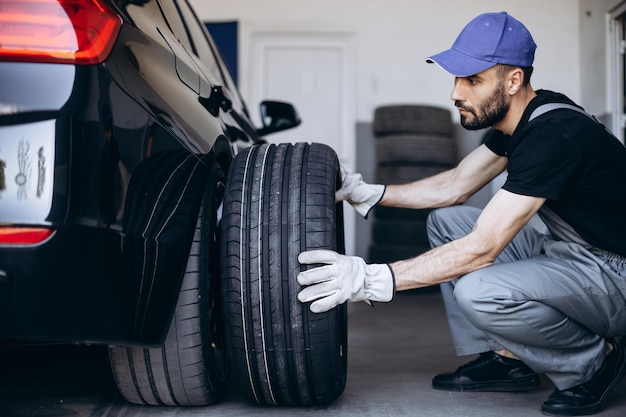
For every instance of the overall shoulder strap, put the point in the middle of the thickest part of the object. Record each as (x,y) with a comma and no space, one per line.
(545,108)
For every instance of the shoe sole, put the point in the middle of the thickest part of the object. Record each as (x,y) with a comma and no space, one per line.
(578,411)
(522,384)
(592,408)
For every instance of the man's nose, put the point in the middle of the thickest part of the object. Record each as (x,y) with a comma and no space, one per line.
(455,94)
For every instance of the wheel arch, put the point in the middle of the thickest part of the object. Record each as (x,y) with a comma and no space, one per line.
(164,199)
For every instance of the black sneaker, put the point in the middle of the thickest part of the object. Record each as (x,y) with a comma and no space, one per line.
(592,396)
(490,372)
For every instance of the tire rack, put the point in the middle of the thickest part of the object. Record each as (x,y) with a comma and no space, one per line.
(412,142)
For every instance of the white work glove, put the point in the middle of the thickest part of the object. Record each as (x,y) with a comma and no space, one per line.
(342,278)
(361,195)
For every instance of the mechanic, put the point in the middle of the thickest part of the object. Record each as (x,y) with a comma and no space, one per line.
(528,302)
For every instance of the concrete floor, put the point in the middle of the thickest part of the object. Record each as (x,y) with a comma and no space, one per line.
(394,351)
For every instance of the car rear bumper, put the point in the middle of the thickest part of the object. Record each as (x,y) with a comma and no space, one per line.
(68,289)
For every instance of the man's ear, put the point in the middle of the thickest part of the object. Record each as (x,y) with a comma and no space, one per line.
(515,81)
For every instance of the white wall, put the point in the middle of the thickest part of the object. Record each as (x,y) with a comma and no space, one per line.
(594,33)
(394,36)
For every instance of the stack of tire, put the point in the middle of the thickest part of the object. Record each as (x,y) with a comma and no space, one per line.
(412,142)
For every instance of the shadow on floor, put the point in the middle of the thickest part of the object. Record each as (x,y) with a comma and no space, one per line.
(394,351)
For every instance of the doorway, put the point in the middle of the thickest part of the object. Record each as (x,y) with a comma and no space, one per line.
(617,61)
(316,73)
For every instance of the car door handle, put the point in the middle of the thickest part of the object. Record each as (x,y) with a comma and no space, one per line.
(217,100)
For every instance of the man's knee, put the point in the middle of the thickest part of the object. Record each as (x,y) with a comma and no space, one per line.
(465,292)
(479,299)
(449,223)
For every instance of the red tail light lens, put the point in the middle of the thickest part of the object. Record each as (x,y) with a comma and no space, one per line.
(24,235)
(57,31)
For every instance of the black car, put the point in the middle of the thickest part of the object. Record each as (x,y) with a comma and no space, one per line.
(119,124)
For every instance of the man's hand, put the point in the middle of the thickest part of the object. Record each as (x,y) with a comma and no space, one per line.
(342,278)
(361,195)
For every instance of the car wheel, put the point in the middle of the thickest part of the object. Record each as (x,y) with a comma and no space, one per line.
(280,201)
(400,232)
(392,253)
(403,174)
(397,213)
(416,148)
(398,119)
(191,368)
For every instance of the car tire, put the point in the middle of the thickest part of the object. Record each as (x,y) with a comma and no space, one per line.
(403,174)
(392,253)
(398,119)
(397,213)
(400,232)
(416,149)
(279,202)
(191,368)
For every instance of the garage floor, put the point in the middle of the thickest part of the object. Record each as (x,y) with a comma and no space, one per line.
(394,351)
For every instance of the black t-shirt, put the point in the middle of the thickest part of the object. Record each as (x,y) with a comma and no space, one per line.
(573,162)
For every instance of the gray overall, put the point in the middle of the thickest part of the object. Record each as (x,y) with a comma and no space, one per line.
(550,298)
(549,301)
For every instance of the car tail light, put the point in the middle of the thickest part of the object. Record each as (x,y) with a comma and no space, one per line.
(24,235)
(57,31)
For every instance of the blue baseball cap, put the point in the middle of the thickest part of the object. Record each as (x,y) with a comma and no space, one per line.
(489,39)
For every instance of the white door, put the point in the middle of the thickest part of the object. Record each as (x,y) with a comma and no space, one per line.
(316,74)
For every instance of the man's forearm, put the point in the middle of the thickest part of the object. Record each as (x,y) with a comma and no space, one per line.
(432,192)
(442,264)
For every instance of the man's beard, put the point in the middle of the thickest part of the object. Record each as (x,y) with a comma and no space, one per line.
(491,111)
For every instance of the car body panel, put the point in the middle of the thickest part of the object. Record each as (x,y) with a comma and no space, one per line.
(114,158)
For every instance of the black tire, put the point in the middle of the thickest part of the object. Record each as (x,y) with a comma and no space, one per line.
(191,368)
(280,201)
(416,148)
(400,232)
(402,174)
(392,253)
(397,213)
(398,119)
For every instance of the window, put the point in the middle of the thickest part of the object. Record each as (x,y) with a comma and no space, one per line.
(201,47)
(175,23)
(618,74)
(209,56)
